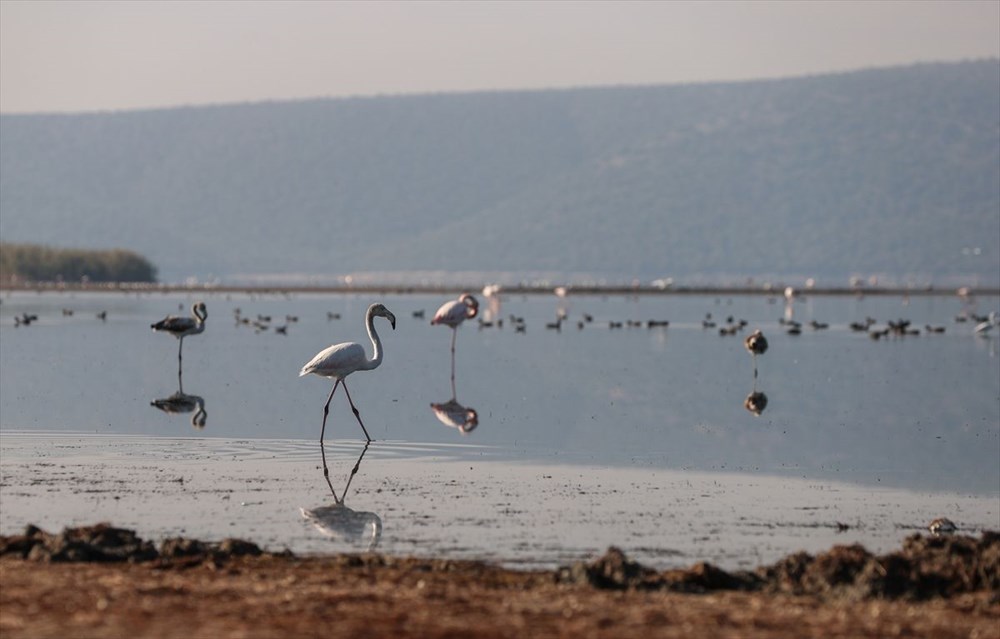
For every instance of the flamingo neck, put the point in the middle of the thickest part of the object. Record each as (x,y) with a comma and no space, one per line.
(376,343)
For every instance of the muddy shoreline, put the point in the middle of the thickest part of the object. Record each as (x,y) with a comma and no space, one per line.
(102,581)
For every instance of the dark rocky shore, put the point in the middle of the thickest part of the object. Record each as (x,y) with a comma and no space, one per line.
(925,567)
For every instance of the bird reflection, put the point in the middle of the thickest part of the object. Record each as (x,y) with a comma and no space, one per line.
(181,402)
(338,521)
(455,415)
(755,402)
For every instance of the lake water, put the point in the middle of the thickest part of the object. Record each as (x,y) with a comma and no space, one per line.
(585,437)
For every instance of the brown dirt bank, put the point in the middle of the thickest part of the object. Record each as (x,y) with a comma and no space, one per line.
(102,581)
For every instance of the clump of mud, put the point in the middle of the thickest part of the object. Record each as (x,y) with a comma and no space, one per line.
(105,543)
(926,567)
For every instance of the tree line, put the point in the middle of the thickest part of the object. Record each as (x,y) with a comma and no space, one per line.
(37,263)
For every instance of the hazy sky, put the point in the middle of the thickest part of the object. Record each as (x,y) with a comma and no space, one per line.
(84,56)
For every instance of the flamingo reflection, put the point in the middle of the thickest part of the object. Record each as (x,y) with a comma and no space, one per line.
(455,415)
(181,402)
(755,402)
(338,521)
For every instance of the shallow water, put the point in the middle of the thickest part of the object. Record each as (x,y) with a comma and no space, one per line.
(643,431)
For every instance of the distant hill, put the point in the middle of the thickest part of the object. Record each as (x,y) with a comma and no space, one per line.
(888,171)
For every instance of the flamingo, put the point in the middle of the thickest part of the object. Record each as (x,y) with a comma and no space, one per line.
(756,344)
(984,327)
(452,314)
(181,327)
(339,361)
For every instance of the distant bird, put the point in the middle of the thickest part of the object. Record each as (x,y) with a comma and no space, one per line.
(455,312)
(103,316)
(339,361)
(181,327)
(452,314)
(984,327)
(942,526)
(756,344)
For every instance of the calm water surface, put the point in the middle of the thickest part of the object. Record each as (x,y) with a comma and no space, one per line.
(917,413)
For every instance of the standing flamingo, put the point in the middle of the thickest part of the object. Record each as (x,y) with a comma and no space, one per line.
(181,327)
(452,314)
(339,361)
(756,343)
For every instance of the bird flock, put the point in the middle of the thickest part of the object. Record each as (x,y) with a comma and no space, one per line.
(340,360)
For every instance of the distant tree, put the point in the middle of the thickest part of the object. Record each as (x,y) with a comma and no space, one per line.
(38,263)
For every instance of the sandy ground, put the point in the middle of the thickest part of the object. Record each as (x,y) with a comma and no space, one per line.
(66,587)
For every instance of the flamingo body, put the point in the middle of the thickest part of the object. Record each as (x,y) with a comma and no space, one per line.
(181,327)
(338,361)
(457,311)
(756,343)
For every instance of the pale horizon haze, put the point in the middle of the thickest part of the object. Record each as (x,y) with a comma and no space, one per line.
(82,56)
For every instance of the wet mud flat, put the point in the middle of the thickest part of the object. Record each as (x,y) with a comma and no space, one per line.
(451,502)
(103,581)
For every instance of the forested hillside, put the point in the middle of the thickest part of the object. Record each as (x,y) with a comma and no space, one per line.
(890,171)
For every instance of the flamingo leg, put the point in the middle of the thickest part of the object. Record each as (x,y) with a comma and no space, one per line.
(357,414)
(180,368)
(322,431)
(454,334)
(354,471)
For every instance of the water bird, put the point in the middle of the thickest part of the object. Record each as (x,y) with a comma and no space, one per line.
(756,344)
(934,329)
(67,312)
(339,361)
(984,327)
(418,314)
(942,526)
(452,314)
(181,327)
(330,315)
(103,316)
(25,319)
(556,325)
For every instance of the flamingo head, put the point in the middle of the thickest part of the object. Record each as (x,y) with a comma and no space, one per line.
(379,310)
(199,310)
(471,304)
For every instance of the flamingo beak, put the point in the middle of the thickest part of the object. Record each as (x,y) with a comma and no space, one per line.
(392,320)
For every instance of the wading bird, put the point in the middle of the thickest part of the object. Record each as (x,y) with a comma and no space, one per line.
(984,327)
(452,314)
(756,343)
(340,360)
(181,327)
